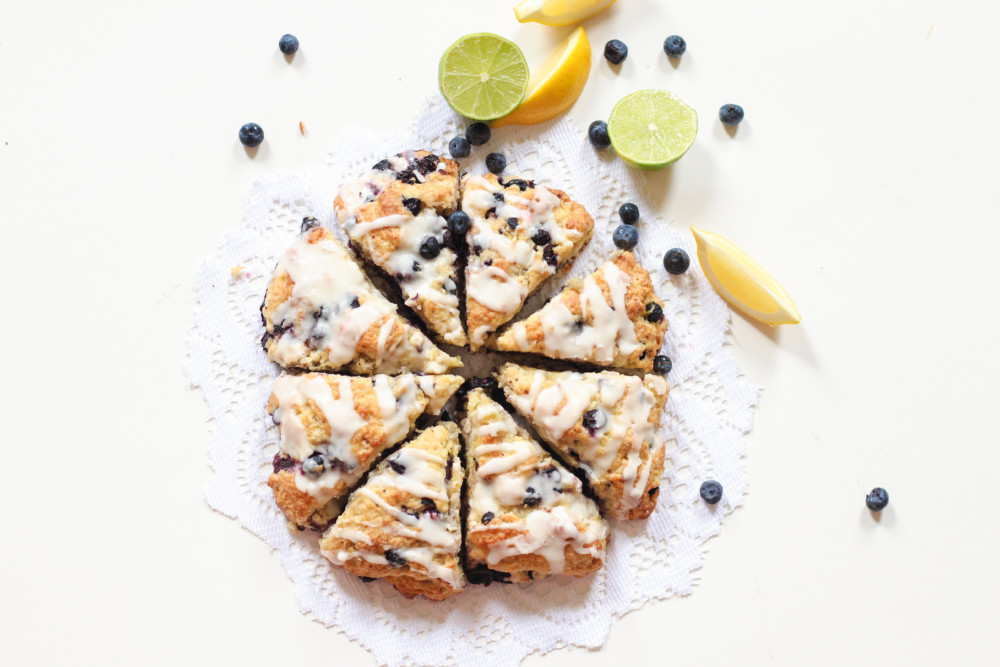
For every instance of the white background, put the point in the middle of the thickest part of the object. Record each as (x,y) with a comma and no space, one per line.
(864,178)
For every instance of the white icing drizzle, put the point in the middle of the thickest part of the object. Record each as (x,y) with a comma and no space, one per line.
(561,405)
(495,289)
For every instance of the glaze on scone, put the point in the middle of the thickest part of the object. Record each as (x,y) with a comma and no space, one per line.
(605,422)
(521,232)
(332,429)
(610,318)
(404,524)
(528,517)
(322,313)
(395,210)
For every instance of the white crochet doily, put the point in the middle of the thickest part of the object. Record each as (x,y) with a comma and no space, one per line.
(709,411)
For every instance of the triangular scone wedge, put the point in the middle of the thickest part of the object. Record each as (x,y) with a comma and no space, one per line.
(321,313)
(528,517)
(396,215)
(334,427)
(521,233)
(610,318)
(605,422)
(404,524)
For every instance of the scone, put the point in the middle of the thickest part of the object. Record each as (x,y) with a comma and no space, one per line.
(321,313)
(396,215)
(528,517)
(610,318)
(605,422)
(520,233)
(404,524)
(333,428)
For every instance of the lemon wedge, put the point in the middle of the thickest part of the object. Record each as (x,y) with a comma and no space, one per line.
(555,84)
(743,282)
(559,12)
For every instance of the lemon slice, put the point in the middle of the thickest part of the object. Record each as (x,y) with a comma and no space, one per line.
(556,83)
(559,12)
(651,129)
(743,282)
(483,76)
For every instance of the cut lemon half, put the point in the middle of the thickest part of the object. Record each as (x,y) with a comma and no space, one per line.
(651,129)
(559,12)
(483,76)
(556,83)
(743,282)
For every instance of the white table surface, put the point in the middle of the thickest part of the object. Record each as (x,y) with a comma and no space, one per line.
(864,178)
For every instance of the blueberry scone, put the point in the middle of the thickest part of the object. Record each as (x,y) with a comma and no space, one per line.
(321,313)
(396,215)
(404,524)
(520,233)
(605,422)
(610,318)
(528,517)
(332,429)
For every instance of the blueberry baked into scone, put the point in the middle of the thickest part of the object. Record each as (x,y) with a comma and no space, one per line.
(396,216)
(610,318)
(332,428)
(321,313)
(604,422)
(527,515)
(404,524)
(521,232)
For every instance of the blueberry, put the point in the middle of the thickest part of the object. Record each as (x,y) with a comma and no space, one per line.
(413,205)
(314,465)
(615,52)
(629,213)
(487,518)
(549,255)
(394,558)
(654,312)
(593,420)
(430,248)
(676,261)
(288,44)
(532,498)
(598,134)
(731,114)
(662,364)
(459,147)
(496,163)
(625,237)
(711,492)
(459,223)
(397,466)
(382,165)
(282,462)
(541,237)
(498,196)
(674,46)
(251,135)
(355,303)
(512,223)
(521,184)
(308,223)
(478,134)
(877,499)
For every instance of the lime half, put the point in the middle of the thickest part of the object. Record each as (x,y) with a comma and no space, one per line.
(651,129)
(483,76)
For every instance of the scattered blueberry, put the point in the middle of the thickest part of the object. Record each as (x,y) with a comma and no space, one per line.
(674,46)
(541,237)
(459,147)
(615,52)
(711,492)
(308,223)
(478,133)
(676,261)
(625,237)
(314,465)
(382,165)
(413,205)
(251,135)
(877,499)
(487,518)
(430,248)
(532,498)
(394,558)
(459,223)
(654,312)
(731,114)
(598,134)
(549,255)
(593,420)
(512,223)
(521,184)
(397,466)
(288,44)
(629,213)
(662,364)
(496,163)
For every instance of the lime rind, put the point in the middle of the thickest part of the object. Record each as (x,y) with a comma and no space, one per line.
(652,129)
(483,76)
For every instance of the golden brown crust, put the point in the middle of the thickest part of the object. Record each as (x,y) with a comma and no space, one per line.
(297,505)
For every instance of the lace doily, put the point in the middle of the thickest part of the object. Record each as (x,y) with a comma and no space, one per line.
(709,411)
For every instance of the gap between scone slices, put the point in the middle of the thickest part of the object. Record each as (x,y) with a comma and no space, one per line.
(610,318)
(604,422)
(321,313)
(521,232)
(396,216)
(332,429)
(404,524)
(528,517)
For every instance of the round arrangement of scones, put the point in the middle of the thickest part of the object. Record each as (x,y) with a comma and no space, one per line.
(415,475)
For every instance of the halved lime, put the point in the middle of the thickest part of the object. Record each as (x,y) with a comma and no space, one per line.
(483,76)
(651,129)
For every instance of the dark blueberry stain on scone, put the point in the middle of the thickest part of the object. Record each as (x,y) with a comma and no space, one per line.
(541,237)
(397,466)
(491,213)
(549,255)
(355,303)
(487,518)
(532,497)
(282,462)
(653,491)
(521,184)
(593,420)
(447,468)
(498,196)
(413,205)
(394,558)
(382,165)
(512,223)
